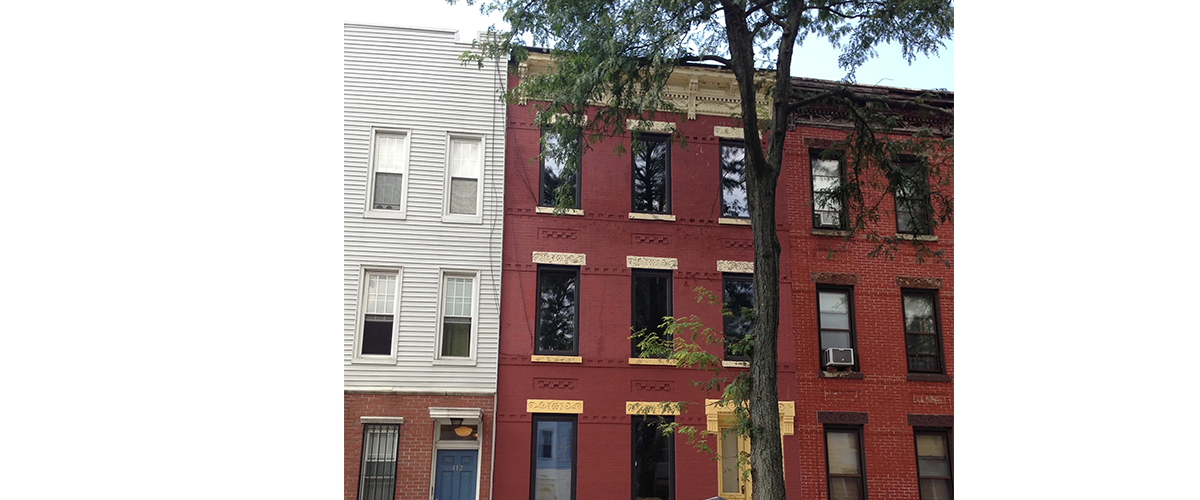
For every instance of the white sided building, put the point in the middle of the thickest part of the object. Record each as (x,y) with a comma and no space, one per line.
(424,182)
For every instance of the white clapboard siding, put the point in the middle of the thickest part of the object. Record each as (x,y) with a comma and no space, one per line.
(411,79)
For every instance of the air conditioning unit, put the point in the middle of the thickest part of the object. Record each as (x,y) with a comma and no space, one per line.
(838,356)
(827,219)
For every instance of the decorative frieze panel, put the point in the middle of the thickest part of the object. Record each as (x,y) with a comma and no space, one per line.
(636,262)
(650,126)
(842,417)
(652,385)
(918,282)
(554,383)
(560,258)
(553,406)
(834,278)
(931,420)
(735,266)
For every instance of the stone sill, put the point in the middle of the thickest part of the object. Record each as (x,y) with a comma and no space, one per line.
(928,377)
(735,364)
(733,221)
(841,233)
(641,216)
(849,375)
(566,211)
(537,358)
(918,237)
(653,361)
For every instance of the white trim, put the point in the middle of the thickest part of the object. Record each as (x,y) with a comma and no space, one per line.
(438,445)
(477,217)
(368,199)
(636,262)
(436,412)
(416,390)
(650,126)
(560,258)
(380,420)
(470,360)
(360,315)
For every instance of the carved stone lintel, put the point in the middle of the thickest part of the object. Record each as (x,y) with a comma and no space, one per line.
(918,282)
(634,261)
(735,266)
(651,408)
(931,420)
(650,126)
(560,258)
(834,278)
(842,417)
(553,406)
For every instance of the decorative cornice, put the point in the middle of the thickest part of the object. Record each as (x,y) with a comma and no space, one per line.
(834,278)
(636,262)
(381,420)
(842,417)
(553,406)
(735,266)
(918,282)
(931,420)
(560,258)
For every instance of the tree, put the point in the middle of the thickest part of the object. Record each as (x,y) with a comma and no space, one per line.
(618,54)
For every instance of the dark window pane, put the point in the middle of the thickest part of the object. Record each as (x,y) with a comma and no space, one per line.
(935,489)
(463,195)
(377,335)
(733,181)
(842,452)
(652,468)
(827,200)
(554,174)
(835,339)
(921,344)
(377,476)
(912,199)
(456,337)
(387,191)
(844,488)
(554,462)
(651,184)
(739,299)
(921,327)
(651,302)
(557,296)
(918,363)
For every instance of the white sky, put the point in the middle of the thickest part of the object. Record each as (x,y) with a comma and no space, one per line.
(816,59)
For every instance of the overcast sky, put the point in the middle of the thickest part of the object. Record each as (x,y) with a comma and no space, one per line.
(817,59)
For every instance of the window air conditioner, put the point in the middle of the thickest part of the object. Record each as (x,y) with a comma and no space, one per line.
(838,356)
(827,219)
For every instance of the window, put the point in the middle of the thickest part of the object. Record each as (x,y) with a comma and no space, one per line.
(378,321)
(652,174)
(653,459)
(733,180)
(933,464)
(651,302)
(558,311)
(835,319)
(827,201)
(739,300)
(388,179)
(921,338)
(377,476)
(458,315)
(734,484)
(912,197)
(553,468)
(465,166)
(554,175)
(844,463)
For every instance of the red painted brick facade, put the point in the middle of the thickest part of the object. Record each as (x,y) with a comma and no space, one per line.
(605,380)
(884,392)
(415,463)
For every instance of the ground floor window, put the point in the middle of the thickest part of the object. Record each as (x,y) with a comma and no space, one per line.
(653,459)
(552,463)
(933,464)
(377,476)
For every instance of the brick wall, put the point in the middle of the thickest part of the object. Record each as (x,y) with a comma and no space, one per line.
(415,464)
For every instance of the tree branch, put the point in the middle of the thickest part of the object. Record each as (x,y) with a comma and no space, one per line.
(686,59)
(858,98)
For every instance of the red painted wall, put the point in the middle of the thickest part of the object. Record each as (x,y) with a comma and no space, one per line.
(605,380)
(884,393)
(415,463)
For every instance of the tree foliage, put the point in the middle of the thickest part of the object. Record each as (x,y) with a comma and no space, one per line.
(610,63)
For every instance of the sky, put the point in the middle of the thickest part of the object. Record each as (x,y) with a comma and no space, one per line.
(816,59)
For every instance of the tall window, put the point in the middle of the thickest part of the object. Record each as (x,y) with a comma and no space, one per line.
(458,315)
(389,167)
(377,476)
(933,465)
(553,463)
(921,338)
(844,463)
(465,168)
(653,459)
(836,320)
(739,300)
(553,171)
(734,484)
(652,174)
(651,302)
(558,310)
(733,180)
(912,198)
(827,201)
(379,314)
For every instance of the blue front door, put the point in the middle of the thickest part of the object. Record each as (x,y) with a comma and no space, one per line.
(455,475)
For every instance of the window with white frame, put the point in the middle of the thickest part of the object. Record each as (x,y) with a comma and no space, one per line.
(378,322)
(465,169)
(458,315)
(389,171)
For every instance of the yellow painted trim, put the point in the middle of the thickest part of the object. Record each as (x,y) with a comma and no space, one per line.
(651,408)
(556,359)
(553,406)
(653,361)
(733,221)
(550,210)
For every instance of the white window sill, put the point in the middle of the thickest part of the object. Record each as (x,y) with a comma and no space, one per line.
(733,221)
(918,237)
(373,361)
(462,219)
(454,361)
(384,214)
(566,211)
(642,216)
(538,358)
